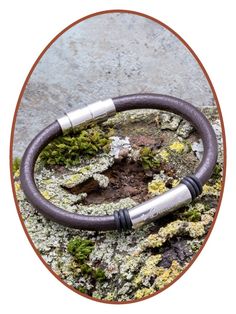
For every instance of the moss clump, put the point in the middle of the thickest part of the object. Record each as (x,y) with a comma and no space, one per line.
(217,171)
(192,215)
(86,269)
(99,274)
(81,289)
(16,165)
(80,248)
(149,158)
(67,150)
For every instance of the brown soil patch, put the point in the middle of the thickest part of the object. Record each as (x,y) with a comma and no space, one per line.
(126,179)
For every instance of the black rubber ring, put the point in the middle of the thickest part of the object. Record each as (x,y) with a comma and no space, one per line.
(190,187)
(196,180)
(127,218)
(122,219)
(194,184)
(117,220)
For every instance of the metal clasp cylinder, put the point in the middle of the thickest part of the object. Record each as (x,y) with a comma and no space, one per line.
(98,111)
(160,206)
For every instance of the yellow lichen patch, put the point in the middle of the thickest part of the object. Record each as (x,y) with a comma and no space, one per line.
(165,233)
(206,219)
(17,173)
(175,228)
(175,182)
(199,207)
(84,169)
(48,181)
(166,276)
(163,276)
(148,269)
(195,229)
(46,195)
(141,293)
(73,179)
(178,147)
(17,186)
(157,187)
(164,155)
(212,189)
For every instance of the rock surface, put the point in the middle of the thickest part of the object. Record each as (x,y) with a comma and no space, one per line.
(134,264)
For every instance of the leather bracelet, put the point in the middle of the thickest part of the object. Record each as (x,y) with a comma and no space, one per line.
(186,191)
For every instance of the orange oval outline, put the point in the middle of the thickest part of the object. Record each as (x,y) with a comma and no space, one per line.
(224,148)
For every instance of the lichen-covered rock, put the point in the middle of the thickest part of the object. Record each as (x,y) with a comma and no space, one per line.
(168,121)
(156,150)
(158,185)
(198,149)
(184,129)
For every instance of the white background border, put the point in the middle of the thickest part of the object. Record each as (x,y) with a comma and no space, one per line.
(26,28)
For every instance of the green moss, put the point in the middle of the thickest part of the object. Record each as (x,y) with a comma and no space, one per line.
(80,248)
(95,273)
(99,274)
(109,296)
(217,171)
(97,295)
(149,158)
(16,165)
(192,215)
(86,269)
(81,289)
(67,150)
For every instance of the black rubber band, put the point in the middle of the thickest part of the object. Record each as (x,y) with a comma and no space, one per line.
(117,221)
(123,220)
(193,185)
(127,218)
(190,187)
(198,183)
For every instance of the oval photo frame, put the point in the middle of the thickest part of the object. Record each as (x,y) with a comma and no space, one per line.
(93,272)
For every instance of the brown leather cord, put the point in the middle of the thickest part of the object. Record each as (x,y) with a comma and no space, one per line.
(110,222)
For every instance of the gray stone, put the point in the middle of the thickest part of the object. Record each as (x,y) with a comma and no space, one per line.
(169,121)
(198,148)
(106,56)
(184,129)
